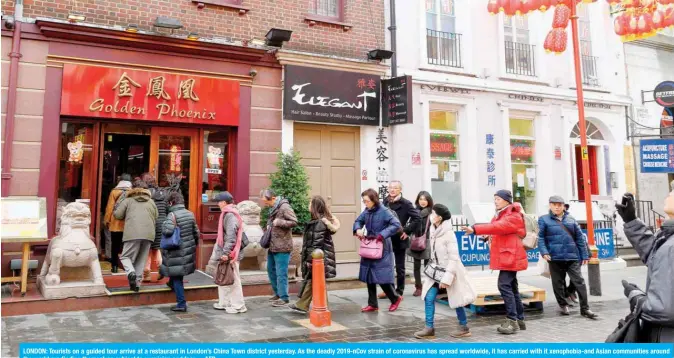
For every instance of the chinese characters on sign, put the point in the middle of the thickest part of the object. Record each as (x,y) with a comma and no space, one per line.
(176,159)
(382,174)
(397,99)
(491,164)
(91,91)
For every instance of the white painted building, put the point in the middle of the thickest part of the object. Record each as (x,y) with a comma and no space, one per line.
(648,63)
(479,77)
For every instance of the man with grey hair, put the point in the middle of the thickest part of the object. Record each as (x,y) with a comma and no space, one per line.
(410,219)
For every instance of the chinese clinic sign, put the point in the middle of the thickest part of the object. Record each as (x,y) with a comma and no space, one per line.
(122,93)
(657,155)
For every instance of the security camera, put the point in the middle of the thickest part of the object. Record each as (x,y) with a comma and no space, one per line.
(252,72)
(9,23)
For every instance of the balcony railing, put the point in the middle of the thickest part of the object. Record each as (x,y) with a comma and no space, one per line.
(590,75)
(520,59)
(443,48)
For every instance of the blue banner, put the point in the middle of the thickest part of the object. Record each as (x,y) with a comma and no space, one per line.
(657,155)
(475,252)
(365,350)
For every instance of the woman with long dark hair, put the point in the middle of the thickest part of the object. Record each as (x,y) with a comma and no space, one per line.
(317,235)
(379,223)
(424,204)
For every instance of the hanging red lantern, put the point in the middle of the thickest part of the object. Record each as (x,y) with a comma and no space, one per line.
(561,17)
(515,7)
(504,6)
(613,2)
(668,18)
(633,25)
(492,7)
(556,41)
(621,25)
(568,3)
(545,5)
(645,24)
(658,20)
(530,5)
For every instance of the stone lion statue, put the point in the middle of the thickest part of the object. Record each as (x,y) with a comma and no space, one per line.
(73,247)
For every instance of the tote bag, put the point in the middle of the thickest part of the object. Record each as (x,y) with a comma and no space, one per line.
(371,248)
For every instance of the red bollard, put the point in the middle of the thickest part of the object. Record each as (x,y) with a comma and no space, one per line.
(319,316)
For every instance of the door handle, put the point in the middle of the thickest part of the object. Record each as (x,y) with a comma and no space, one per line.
(329,198)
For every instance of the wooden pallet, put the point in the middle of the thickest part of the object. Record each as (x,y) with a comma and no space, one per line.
(489,295)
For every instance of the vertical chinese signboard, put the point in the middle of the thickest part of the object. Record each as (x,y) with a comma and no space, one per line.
(491,165)
(397,100)
(123,93)
(382,159)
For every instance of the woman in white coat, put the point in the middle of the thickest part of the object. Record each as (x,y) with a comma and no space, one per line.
(445,272)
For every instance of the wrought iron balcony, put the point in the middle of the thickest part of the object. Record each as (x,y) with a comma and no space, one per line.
(520,59)
(443,48)
(590,73)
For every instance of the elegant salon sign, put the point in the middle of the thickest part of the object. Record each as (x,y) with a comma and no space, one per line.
(122,93)
(320,95)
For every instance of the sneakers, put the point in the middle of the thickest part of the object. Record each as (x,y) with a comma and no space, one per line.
(395,306)
(462,332)
(274,298)
(522,325)
(219,307)
(178,309)
(294,308)
(132,282)
(426,333)
(564,311)
(232,310)
(369,309)
(280,303)
(589,314)
(508,327)
(147,276)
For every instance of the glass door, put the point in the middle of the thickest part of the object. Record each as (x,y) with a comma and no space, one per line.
(172,162)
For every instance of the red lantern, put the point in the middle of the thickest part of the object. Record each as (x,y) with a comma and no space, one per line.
(530,5)
(668,18)
(568,3)
(492,7)
(658,20)
(545,5)
(515,7)
(613,2)
(504,6)
(621,25)
(645,24)
(633,25)
(561,17)
(556,41)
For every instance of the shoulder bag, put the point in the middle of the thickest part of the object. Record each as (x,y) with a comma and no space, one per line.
(371,248)
(121,198)
(435,272)
(419,241)
(171,242)
(225,272)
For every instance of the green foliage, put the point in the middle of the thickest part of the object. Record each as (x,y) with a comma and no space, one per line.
(291,181)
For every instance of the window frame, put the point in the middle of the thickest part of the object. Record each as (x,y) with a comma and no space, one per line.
(513,163)
(339,18)
(456,133)
(437,16)
(509,22)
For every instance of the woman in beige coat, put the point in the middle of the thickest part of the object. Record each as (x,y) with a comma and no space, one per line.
(445,272)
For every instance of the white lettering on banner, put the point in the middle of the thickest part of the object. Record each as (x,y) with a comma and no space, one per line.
(655,164)
(473,243)
(655,148)
(603,238)
(327,102)
(655,156)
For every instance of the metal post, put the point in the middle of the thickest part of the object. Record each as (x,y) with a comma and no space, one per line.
(392,28)
(593,267)
(320,315)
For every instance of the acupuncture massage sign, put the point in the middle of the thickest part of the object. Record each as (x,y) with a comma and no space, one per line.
(657,155)
(124,93)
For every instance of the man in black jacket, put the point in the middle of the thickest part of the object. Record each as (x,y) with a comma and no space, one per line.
(410,219)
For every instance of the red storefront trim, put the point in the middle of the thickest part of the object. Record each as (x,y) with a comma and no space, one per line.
(11,108)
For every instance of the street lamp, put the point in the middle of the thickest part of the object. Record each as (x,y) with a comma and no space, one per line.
(593,268)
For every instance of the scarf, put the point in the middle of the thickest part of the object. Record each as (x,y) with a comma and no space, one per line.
(123,184)
(231,208)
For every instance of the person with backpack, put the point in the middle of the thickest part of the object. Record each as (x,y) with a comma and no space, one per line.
(116,226)
(317,235)
(507,255)
(230,231)
(562,244)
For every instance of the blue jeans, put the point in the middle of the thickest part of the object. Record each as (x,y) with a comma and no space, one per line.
(430,309)
(509,289)
(277,269)
(179,289)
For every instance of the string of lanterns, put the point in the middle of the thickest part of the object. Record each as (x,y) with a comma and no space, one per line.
(638,19)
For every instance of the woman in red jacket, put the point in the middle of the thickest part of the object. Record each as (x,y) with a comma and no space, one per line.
(507,255)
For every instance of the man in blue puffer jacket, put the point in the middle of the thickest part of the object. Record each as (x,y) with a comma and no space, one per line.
(561,243)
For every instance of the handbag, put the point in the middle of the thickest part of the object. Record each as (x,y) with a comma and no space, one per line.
(225,272)
(628,329)
(265,240)
(432,270)
(419,242)
(543,267)
(371,248)
(171,242)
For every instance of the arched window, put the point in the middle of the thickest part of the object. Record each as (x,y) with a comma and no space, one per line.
(593,132)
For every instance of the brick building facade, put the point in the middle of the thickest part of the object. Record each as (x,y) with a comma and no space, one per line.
(47,105)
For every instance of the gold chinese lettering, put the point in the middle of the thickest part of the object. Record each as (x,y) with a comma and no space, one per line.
(124,84)
(156,88)
(186,90)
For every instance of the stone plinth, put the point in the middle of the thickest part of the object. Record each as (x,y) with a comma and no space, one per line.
(70,289)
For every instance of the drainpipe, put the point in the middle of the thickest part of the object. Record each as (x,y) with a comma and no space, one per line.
(14,57)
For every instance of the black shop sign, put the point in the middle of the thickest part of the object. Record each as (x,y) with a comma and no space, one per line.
(664,94)
(328,96)
(397,100)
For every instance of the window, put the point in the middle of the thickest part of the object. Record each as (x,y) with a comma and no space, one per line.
(76,163)
(445,164)
(519,54)
(216,149)
(588,62)
(522,146)
(443,43)
(592,132)
(328,9)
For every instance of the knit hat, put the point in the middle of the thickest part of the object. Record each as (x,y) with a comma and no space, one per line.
(505,195)
(442,211)
(224,196)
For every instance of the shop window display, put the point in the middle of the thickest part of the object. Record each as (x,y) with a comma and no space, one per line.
(445,162)
(215,179)
(522,155)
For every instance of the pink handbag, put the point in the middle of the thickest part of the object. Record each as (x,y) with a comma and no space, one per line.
(371,248)
(419,242)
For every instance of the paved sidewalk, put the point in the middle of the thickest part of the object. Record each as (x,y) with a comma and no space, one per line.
(264,323)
